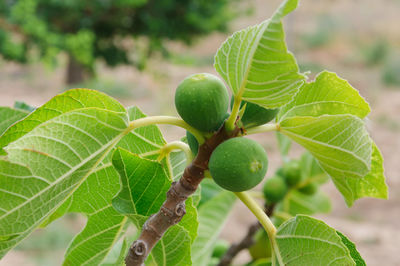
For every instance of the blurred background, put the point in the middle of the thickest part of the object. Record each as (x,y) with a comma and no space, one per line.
(139,50)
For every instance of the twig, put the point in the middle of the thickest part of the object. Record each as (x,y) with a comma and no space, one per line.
(246,242)
(173,209)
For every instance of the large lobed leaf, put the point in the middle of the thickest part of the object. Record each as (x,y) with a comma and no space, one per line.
(72,129)
(325,118)
(46,165)
(304,240)
(256,65)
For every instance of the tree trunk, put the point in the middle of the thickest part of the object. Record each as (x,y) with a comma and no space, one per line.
(76,72)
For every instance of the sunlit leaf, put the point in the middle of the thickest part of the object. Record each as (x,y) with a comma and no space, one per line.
(371,185)
(303,240)
(256,65)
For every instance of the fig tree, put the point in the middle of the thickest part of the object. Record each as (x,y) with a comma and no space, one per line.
(255,115)
(275,189)
(202,101)
(238,164)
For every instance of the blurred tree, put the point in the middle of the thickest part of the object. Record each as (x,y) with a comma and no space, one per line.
(102,29)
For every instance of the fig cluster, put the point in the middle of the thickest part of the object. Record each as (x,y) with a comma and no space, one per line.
(289,176)
(237,164)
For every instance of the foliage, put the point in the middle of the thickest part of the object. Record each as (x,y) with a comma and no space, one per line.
(84,152)
(88,30)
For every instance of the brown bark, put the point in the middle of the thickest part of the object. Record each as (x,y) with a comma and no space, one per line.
(173,209)
(76,72)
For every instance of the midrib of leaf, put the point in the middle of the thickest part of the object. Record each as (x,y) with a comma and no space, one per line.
(251,58)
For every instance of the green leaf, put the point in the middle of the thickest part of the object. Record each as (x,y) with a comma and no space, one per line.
(212,217)
(9,116)
(62,103)
(145,177)
(94,196)
(371,185)
(144,186)
(340,143)
(256,65)
(325,118)
(353,251)
(55,165)
(303,240)
(298,203)
(327,95)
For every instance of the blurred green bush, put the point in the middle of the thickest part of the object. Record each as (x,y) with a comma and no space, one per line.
(103,29)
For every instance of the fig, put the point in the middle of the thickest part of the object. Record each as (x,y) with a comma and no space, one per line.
(238,164)
(292,173)
(202,101)
(275,189)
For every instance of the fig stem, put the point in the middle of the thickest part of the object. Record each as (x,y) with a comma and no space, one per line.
(264,221)
(230,122)
(169,120)
(177,145)
(262,129)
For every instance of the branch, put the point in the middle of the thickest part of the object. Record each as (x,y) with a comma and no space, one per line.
(246,242)
(173,209)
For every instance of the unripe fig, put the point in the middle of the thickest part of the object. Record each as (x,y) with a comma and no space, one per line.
(220,248)
(238,164)
(192,141)
(309,189)
(202,101)
(292,173)
(275,189)
(255,115)
(262,247)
